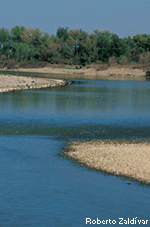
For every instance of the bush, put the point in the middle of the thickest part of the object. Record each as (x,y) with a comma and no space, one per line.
(144,58)
(12,64)
(33,65)
(3,57)
(69,62)
(112,61)
(123,60)
(58,61)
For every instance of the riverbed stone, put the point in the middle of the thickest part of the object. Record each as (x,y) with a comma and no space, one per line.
(12,83)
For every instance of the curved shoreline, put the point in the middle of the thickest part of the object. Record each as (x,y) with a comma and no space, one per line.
(120,158)
(131,160)
(12,83)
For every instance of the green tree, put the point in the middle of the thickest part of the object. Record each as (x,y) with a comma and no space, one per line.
(129,45)
(74,34)
(4,35)
(135,53)
(91,48)
(15,33)
(20,51)
(103,44)
(142,41)
(26,35)
(63,33)
(36,37)
(117,47)
(5,42)
(80,49)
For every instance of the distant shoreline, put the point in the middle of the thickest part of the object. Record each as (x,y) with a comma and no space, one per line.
(111,73)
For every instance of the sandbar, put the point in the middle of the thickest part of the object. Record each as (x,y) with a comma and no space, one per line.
(127,159)
(12,83)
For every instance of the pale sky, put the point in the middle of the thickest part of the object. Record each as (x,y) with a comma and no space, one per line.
(123,17)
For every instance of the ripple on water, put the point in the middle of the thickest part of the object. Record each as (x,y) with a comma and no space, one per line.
(38,188)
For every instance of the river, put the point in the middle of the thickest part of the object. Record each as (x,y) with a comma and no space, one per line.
(39,188)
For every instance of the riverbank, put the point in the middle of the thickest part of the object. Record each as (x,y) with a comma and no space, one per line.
(131,160)
(110,73)
(13,83)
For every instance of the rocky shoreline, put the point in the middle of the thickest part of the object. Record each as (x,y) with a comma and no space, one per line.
(12,83)
(120,158)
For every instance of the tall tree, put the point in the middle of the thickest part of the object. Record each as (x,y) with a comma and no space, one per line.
(117,47)
(103,44)
(20,51)
(15,33)
(4,35)
(63,33)
(36,37)
(26,35)
(5,43)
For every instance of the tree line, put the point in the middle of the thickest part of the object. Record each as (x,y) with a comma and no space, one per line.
(72,46)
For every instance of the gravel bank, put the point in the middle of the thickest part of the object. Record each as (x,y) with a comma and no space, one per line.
(12,83)
(131,160)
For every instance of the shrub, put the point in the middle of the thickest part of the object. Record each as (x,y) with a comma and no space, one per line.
(33,65)
(144,58)
(112,61)
(123,60)
(3,57)
(12,64)
(58,61)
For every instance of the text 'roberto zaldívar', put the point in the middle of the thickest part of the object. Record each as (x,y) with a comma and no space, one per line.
(120,221)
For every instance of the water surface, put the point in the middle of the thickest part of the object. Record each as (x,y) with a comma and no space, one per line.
(39,188)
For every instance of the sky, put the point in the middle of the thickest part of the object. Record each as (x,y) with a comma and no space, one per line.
(122,17)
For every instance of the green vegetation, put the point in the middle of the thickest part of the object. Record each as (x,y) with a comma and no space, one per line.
(72,46)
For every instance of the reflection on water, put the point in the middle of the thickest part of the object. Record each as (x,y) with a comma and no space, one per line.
(38,188)
(96,102)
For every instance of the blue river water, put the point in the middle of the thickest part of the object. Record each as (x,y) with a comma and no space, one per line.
(40,188)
